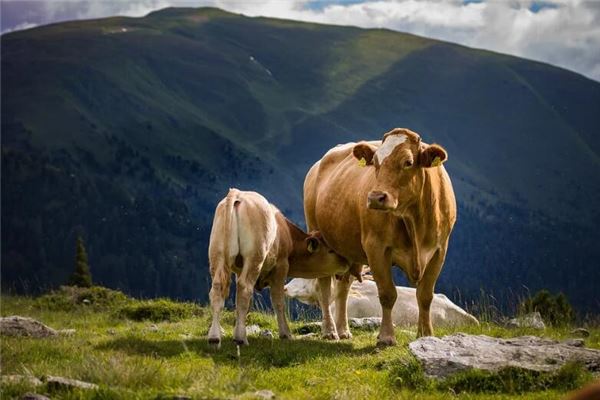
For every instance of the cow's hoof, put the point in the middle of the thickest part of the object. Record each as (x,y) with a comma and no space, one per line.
(241,342)
(331,336)
(345,335)
(214,343)
(285,336)
(386,341)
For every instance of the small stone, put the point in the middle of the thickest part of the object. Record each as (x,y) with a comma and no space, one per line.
(86,301)
(308,335)
(580,332)
(370,323)
(67,332)
(60,383)
(253,330)
(22,326)
(34,396)
(21,379)
(532,320)
(266,333)
(153,328)
(185,335)
(311,327)
(264,394)
(575,342)
(111,331)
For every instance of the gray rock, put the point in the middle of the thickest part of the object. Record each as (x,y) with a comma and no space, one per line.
(60,383)
(34,396)
(21,379)
(459,352)
(264,394)
(22,326)
(253,330)
(532,320)
(266,333)
(580,332)
(575,342)
(153,328)
(371,323)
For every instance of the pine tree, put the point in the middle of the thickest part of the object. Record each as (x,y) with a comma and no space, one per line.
(81,276)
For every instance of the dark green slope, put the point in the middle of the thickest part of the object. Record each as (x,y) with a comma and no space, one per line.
(129,131)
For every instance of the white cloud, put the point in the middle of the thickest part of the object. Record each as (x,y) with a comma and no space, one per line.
(564,33)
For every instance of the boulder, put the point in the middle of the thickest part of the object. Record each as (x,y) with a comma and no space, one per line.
(532,320)
(459,352)
(22,326)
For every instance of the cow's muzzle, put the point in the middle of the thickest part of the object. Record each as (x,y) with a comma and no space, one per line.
(378,200)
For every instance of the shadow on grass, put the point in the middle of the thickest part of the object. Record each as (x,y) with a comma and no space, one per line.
(262,352)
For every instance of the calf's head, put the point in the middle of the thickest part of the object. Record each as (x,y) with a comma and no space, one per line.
(316,255)
(397,162)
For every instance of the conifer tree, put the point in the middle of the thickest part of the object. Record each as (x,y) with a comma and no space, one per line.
(81,276)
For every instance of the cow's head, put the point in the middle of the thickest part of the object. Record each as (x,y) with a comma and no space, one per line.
(397,162)
(319,253)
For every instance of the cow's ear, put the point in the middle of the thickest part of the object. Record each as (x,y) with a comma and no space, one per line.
(432,156)
(312,244)
(364,153)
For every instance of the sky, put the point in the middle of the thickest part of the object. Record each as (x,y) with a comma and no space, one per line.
(565,33)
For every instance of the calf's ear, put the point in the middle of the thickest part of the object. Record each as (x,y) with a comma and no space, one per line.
(432,156)
(364,153)
(312,244)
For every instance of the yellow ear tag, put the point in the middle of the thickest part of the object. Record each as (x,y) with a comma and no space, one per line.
(362,162)
(436,162)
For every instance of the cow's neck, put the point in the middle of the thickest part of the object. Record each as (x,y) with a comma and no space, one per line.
(419,217)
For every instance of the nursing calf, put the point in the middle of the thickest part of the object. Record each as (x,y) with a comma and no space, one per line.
(363,301)
(253,239)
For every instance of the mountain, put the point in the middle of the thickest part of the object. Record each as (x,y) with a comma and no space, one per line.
(128,131)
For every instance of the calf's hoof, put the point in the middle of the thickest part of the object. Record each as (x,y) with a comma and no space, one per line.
(214,342)
(330,336)
(386,341)
(285,336)
(241,342)
(345,335)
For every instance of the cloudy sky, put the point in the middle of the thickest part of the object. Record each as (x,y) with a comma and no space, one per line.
(561,32)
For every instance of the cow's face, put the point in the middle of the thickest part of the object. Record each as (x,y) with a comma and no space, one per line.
(397,161)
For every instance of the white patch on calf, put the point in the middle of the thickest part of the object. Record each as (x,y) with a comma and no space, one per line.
(388,146)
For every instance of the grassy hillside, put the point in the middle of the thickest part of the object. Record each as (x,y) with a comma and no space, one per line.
(142,359)
(129,130)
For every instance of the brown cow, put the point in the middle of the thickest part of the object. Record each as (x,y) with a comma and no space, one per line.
(253,239)
(383,203)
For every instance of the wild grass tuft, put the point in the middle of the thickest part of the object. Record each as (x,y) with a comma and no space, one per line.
(158,310)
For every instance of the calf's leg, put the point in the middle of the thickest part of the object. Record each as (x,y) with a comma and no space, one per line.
(278,299)
(218,293)
(244,289)
(328,330)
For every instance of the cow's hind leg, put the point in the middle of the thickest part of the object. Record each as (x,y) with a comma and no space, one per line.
(244,289)
(328,330)
(218,293)
(278,299)
(425,289)
(341,307)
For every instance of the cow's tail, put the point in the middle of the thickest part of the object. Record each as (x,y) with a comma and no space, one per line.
(226,223)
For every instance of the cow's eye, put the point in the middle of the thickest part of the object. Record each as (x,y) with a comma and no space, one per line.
(408,163)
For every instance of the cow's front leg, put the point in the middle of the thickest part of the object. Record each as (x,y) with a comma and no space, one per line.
(381,266)
(244,289)
(328,330)
(425,289)
(341,306)
(277,299)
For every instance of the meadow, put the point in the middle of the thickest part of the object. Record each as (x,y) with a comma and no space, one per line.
(157,349)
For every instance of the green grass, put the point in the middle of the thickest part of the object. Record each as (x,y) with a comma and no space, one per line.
(131,361)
